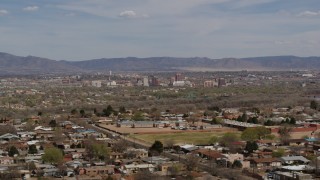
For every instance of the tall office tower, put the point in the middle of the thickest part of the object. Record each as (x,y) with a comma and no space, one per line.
(179,77)
(145,81)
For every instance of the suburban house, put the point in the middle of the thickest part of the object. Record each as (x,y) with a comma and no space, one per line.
(210,154)
(97,170)
(9,137)
(291,176)
(265,162)
(5,160)
(134,168)
(294,160)
(166,168)
(136,153)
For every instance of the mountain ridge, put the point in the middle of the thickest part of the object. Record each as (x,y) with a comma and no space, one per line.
(12,64)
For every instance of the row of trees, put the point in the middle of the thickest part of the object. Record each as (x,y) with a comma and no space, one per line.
(105,112)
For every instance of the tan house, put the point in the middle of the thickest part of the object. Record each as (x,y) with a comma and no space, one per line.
(166,168)
(115,155)
(97,170)
(233,157)
(265,162)
(134,168)
(210,154)
(5,160)
(136,153)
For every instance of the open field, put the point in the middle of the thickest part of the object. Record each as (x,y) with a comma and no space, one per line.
(155,130)
(197,138)
(177,136)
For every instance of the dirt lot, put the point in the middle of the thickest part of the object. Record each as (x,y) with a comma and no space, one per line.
(152,130)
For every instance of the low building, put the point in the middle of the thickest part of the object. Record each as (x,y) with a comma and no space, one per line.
(265,162)
(294,160)
(134,168)
(210,154)
(97,170)
(291,176)
(136,153)
(9,137)
(5,160)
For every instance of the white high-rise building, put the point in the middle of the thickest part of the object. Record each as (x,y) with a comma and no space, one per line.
(96,83)
(145,81)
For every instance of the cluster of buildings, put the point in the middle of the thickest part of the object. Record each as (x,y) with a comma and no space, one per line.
(121,161)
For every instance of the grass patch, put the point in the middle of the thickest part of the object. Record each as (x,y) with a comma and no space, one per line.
(196,138)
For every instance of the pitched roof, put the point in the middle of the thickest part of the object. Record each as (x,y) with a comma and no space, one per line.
(294,158)
(210,153)
(9,136)
(265,160)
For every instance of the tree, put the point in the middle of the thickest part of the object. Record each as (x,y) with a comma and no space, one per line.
(270,136)
(7,129)
(138,116)
(292,120)
(262,132)
(256,110)
(30,166)
(253,120)
(58,135)
(269,123)
(109,108)
(284,133)
(214,108)
(101,151)
(278,153)
(228,138)
(214,140)
(287,121)
(251,146)
(96,150)
(314,105)
(237,164)
(120,146)
(82,113)
(33,149)
(122,109)
(216,120)
(29,125)
(250,134)
(192,162)
(53,123)
(244,117)
(157,147)
(253,134)
(52,155)
(12,151)
(107,112)
(74,111)
(239,119)
(174,170)
(95,111)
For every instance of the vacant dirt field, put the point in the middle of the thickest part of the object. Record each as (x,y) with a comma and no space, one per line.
(149,135)
(196,138)
(152,130)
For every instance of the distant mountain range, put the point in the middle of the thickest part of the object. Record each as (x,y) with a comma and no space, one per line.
(17,65)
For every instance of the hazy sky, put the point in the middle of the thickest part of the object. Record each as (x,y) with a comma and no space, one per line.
(87,29)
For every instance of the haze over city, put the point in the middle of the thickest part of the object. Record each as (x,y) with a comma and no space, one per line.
(88,29)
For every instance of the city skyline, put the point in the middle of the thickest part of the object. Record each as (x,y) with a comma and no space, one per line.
(83,29)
